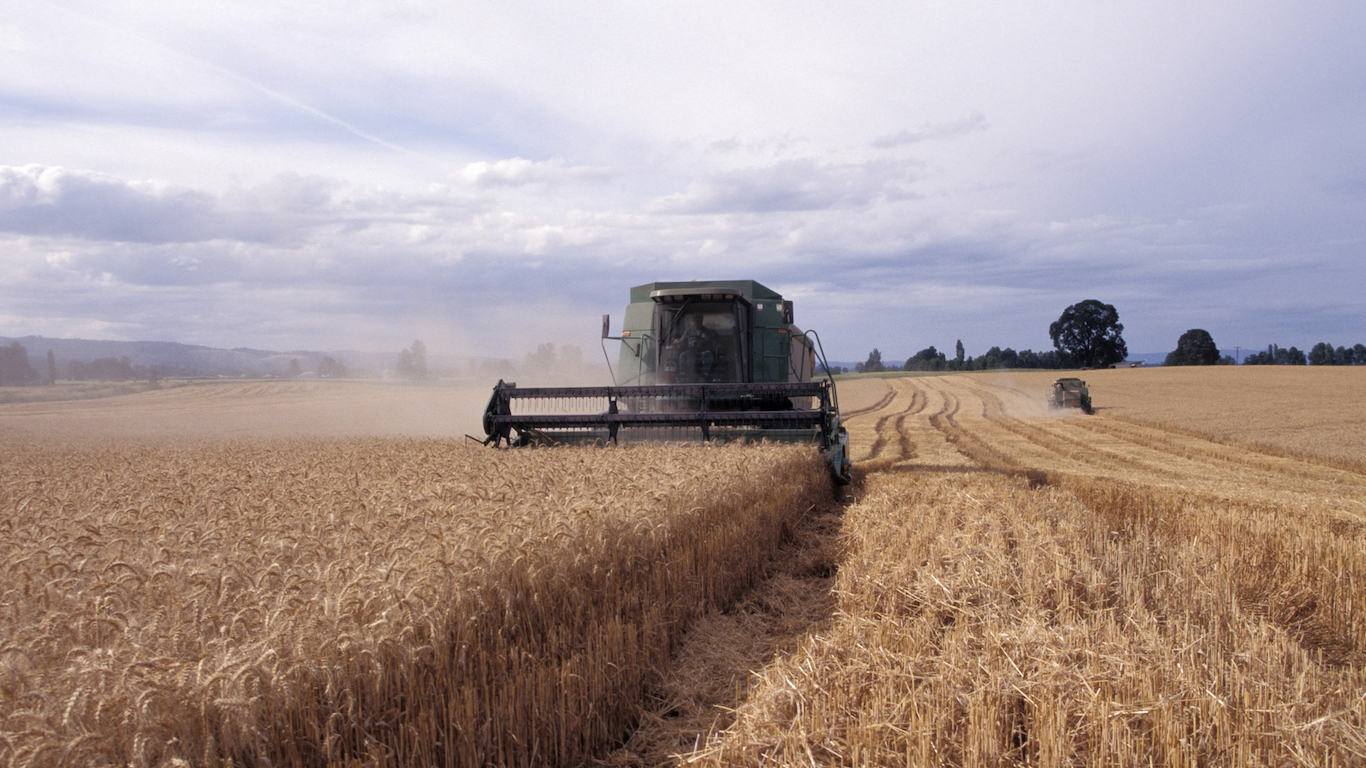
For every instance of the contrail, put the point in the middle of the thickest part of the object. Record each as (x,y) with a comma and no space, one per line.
(259,87)
(301,106)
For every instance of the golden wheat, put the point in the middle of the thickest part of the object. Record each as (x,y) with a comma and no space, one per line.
(412,602)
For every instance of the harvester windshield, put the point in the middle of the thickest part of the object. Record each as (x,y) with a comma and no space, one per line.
(701,342)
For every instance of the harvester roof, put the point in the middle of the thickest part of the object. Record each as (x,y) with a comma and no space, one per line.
(748,290)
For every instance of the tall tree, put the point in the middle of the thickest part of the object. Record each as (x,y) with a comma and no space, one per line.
(331,369)
(419,359)
(1276,355)
(927,359)
(14,367)
(1090,335)
(874,363)
(412,362)
(1195,347)
(541,361)
(51,377)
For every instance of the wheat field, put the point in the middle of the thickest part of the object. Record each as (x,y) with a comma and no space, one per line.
(1176,580)
(362,601)
(1026,588)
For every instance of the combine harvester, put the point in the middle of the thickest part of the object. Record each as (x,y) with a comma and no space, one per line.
(716,360)
(1070,392)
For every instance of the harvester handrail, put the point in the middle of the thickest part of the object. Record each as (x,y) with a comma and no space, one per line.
(834,394)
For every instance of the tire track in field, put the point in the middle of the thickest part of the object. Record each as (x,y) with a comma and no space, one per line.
(891,428)
(962,439)
(863,436)
(879,405)
(903,436)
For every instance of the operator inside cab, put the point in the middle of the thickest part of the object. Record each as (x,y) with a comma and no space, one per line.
(701,348)
(696,351)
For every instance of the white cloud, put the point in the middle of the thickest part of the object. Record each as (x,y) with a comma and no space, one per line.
(518,171)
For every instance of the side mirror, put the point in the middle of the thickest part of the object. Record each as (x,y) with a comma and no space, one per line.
(606,326)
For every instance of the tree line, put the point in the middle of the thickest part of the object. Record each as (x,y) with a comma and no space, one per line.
(1322,353)
(1089,335)
(931,359)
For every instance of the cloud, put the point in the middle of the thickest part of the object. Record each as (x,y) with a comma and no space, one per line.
(372,166)
(11,41)
(57,202)
(791,185)
(927,131)
(517,171)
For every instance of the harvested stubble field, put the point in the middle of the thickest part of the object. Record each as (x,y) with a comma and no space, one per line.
(1149,585)
(1020,587)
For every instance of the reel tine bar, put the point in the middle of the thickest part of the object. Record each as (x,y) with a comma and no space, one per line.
(704,406)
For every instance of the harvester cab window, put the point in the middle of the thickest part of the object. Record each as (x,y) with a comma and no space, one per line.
(700,342)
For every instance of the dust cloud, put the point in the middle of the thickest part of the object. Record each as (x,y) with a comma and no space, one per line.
(259,409)
(1027,393)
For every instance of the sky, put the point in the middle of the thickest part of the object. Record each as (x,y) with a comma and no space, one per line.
(487,177)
